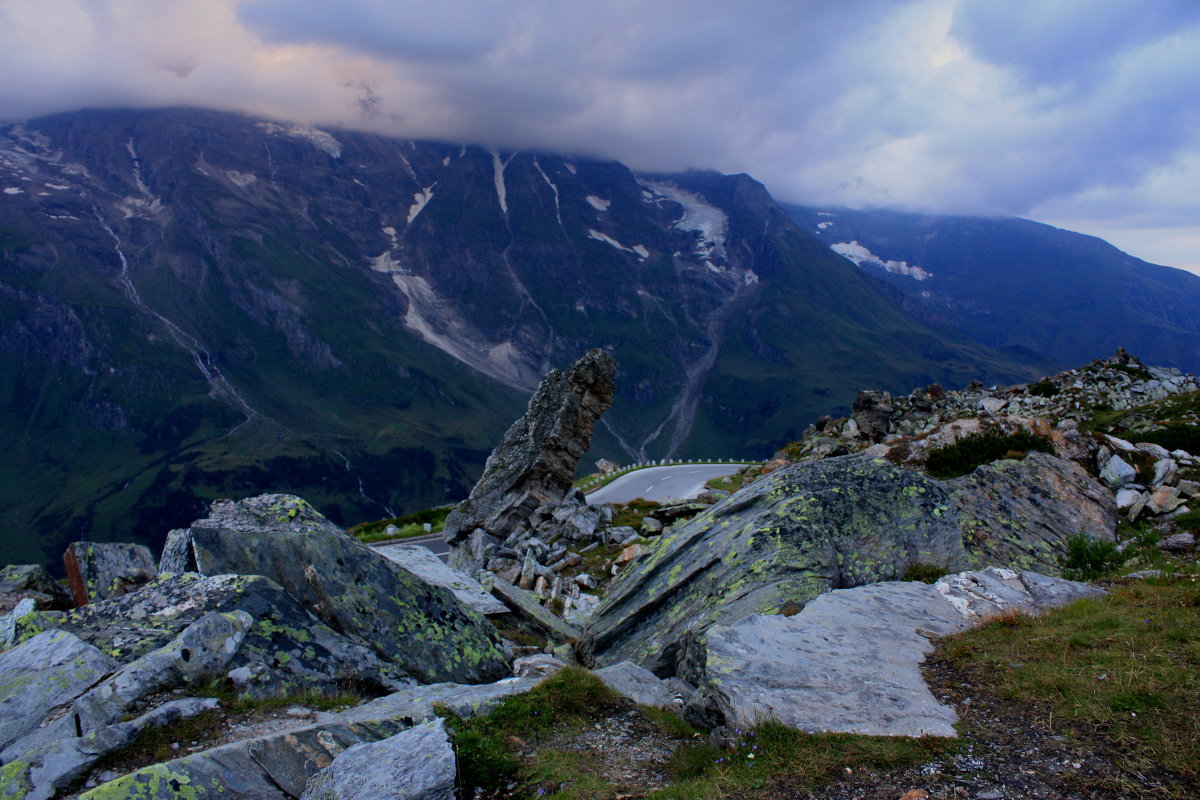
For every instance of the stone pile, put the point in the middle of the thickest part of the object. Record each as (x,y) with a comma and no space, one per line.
(1146,478)
(1116,383)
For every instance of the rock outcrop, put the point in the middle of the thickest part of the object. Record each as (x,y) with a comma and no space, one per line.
(423,628)
(850,661)
(100,570)
(837,523)
(533,467)
(278,766)
(286,650)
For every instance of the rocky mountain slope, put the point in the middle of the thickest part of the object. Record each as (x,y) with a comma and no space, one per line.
(789,602)
(196,304)
(1009,282)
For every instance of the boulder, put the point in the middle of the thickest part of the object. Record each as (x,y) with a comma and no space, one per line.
(31,581)
(1178,543)
(424,629)
(8,621)
(1166,470)
(286,650)
(426,565)
(850,661)
(100,570)
(1117,473)
(831,524)
(534,464)
(416,764)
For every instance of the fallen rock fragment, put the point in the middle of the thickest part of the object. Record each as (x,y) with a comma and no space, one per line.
(416,764)
(526,605)
(102,570)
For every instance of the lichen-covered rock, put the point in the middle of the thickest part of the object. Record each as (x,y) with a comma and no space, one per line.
(277,766)
(837,523)
(30,581)
(422,628)
(1019,514)
(42,673)
(286,650)
(416,764)
(781,541)
(100,570)
(534,464)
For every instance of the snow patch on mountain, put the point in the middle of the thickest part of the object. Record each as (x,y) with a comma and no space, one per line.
(316,137)
(861,255)
(598,203)
(823,225)
(420,200)
(637,249)
(710,223)
(240,179)
(498,167)
(13,190)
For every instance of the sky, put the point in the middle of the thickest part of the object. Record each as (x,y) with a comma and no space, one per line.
(1081,113)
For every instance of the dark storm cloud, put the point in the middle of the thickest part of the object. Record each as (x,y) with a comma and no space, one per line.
(1084,112)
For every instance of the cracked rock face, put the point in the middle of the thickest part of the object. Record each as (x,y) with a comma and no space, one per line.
(534,464)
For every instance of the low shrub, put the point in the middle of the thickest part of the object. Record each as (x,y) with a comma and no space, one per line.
(1088,558)
(1043,389)
(925,573)
(976,449)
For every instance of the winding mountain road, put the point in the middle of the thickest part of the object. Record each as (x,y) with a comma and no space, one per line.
(682,481)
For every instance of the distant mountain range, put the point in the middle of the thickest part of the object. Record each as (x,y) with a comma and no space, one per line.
(1013,283)
(196,304)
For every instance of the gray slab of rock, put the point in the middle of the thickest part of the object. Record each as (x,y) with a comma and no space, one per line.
(849,662)
(42,673)
(1116,473)
(277,766)
(416,764)
(424,629)
(644,687)
(287,649)
(1189,488)
(22,581)
(525,604)
(1156,450)
(101,570)
(1119,444)
(425,564)
(534,464)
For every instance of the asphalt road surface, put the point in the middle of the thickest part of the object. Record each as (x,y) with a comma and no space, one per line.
(681,481)
(434,542)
